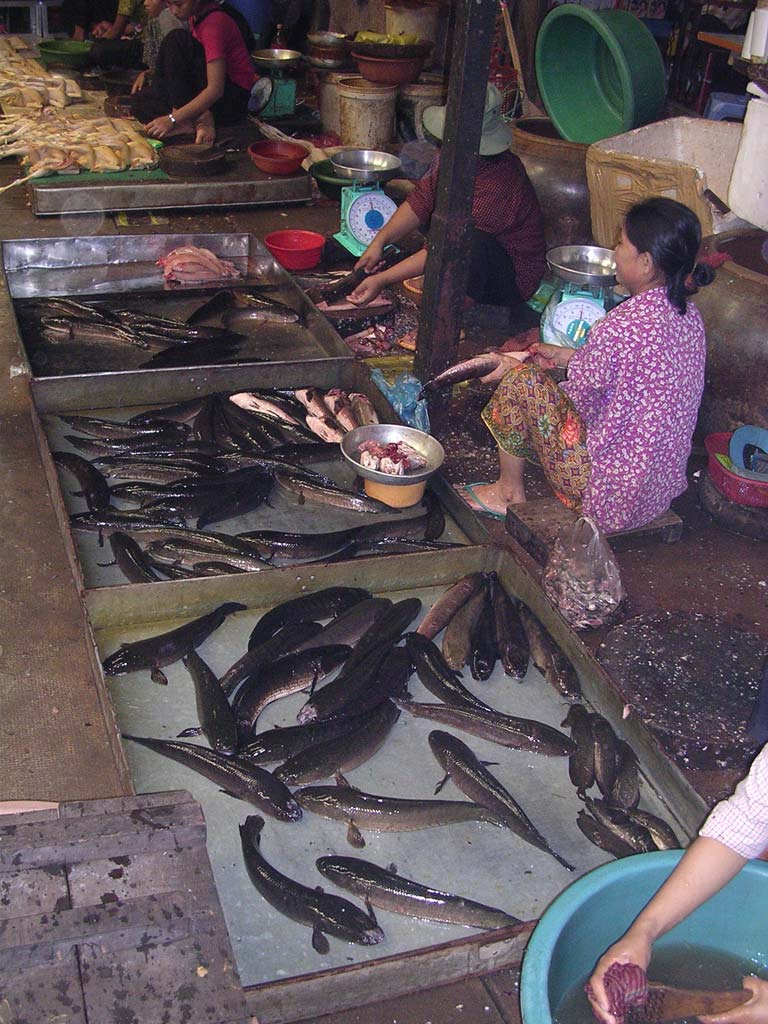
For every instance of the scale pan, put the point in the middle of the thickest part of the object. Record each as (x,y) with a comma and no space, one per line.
(275,59)
(583,264)
(365,164)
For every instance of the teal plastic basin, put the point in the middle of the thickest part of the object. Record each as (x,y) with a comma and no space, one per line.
(600,73)
(591,914)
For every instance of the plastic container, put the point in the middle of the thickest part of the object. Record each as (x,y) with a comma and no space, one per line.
(413,98)
(296,250)
(591,914)
(68,52)
(748,188)
(329,183)
(328,101)
(276,157)
(599,72)
(389,70)
(741,489)
(680,158)
(366,113)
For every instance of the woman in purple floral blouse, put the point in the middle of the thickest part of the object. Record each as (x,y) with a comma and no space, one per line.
(614,438)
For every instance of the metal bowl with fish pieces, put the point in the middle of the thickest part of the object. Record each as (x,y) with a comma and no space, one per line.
(365,164)
(275,60)
(395,491)
(583,264)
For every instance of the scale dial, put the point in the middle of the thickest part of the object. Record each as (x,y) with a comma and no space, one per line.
(574,316)
(367,214)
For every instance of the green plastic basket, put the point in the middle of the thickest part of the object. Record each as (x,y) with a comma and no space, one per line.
(67,52)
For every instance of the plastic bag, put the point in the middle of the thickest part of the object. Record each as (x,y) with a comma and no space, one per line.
(403,396)
(582,577)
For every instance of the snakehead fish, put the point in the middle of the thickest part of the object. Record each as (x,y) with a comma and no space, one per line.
(279,744)
(94,487)
(325,913)
(514,650)
(446,606)
(469,369)
(213,710)
(438,678)
(385,889)
(322,604)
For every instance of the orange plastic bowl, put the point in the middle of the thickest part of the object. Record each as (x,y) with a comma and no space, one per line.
(389,70)
(296,250)
(277,157)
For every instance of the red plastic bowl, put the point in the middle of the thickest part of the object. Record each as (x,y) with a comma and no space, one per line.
(296,250)
(741,489)
(277,157)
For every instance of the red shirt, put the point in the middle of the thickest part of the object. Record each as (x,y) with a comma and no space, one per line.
(221,39)
(504,205)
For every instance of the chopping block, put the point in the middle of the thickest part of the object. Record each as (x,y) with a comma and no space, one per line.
(110,912)
(536,524)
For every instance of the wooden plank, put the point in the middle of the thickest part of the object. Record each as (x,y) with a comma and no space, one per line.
(535,525)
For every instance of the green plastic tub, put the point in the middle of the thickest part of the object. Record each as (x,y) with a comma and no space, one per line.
(69,53)
(328,181)
(591,914)
(600,73)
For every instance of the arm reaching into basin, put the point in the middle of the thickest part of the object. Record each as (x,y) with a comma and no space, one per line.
(735,831)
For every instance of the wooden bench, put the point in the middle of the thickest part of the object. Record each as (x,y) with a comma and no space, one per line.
(536,524)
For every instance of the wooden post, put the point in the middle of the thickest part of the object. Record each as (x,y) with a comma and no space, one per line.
(450,229)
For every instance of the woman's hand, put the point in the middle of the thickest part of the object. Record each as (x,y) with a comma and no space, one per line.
(366,291)
(630,949)
(754,1011)
(138,82)
(372,256)
(160,127)
(100,29)
(548,356)
(508,361)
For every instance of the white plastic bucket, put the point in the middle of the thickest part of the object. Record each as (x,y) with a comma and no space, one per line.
(366,113)
(748,188)
(328,99)
(413,99)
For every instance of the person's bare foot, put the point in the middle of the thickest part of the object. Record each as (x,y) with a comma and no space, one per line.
(490,497)
(205,129)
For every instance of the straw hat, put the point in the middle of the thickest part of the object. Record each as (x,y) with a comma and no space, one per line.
(496,135)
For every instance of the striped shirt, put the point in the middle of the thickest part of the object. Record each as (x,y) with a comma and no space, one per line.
(741,821)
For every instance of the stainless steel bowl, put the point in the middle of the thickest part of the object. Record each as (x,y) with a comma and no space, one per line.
(386,433)
(276,60)
(328,40)
(365,164)
(583,264)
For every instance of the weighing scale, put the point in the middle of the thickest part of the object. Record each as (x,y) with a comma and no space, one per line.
(365,209)
(583,293)
(276,64)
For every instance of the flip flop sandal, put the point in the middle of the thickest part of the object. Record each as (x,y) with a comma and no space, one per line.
(479,507)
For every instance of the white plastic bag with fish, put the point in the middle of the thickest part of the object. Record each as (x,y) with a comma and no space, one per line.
(582,577)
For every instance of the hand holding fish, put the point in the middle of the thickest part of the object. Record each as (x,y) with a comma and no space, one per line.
(372,256)
(754,1011)
(549,356)
(367,290)
(508,361)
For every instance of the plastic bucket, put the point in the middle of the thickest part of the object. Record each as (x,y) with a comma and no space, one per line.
(600,73)
(328,100)
(413,99)
(366,113)
(591,914)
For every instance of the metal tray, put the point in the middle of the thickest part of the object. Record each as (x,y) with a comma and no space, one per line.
(108,267)
(240,184)
(274,954)
(283,512)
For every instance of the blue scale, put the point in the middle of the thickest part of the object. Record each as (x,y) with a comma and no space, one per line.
(365,208)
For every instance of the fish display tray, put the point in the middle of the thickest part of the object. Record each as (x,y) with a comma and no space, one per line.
(123,268)
(287,980)
(239,184)
(283,512)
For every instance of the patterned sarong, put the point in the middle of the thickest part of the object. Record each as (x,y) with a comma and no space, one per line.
(531,418)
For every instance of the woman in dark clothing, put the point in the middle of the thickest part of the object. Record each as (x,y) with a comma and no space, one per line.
(203,77)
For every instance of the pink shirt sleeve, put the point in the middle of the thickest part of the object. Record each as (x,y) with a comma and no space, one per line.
(741,821)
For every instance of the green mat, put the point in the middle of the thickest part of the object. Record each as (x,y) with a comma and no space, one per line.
(156,174)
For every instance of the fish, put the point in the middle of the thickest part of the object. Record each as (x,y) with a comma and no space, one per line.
(276,543)
(483,652)
(325,913)
(373,813)
(108,519)
(457,637)
(581,765)
(603,837)
(259,310)
(351,625)
(131,560)
(56,305)
(446,606)
(349,319)
(475,781)
(625,791)
(340,408)
(549,660)
(238,778)
(438,678)
(312,400)
(153,471)
(336,756)
(213,710)
(202,353)
(363,409)
(385,889)
(219,302)
(661,833)
(178,552)
(56,329)
(339,289)
(507,730)
(154,652)
(617,821)
(255,401)
(514,650)
(284,641)
(469,369)
(173,331)
(325,428)
(322,604)
(178,412)
(117,429)
(246,497)
(94,488)
(288,675)
(606,745)
(280,744)
(308,490)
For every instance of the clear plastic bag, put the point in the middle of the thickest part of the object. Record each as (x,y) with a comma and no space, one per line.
(403,396)
(582,577)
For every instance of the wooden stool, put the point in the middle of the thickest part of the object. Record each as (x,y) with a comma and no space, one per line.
(536,524)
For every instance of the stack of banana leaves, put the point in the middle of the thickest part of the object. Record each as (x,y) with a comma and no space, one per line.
(160,484)
(364,650)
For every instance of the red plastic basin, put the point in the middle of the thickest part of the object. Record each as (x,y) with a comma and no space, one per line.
(296,250)
(741,489)
(275,157)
